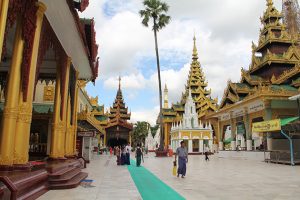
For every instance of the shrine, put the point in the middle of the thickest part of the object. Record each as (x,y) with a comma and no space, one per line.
(118,129)
(264,89)
(198,137)
(42,62)
(197,86)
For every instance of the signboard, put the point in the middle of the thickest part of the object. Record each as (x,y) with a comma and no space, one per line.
(238,113)
(267,126)
(257,106)
(85,133)
(225,117)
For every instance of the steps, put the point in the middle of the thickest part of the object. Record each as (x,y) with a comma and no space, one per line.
(34,193)
(65,175)
(33,185)
(71,183)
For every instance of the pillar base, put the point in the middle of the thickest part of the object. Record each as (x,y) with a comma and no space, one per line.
(6,168)
(18,167)
(249,145)
(233,145)
(61,158)
(221,146)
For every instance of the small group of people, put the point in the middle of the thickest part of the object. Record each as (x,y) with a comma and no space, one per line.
(123,154)
(182,154)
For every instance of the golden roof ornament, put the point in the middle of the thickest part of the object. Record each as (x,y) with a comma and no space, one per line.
(195,52)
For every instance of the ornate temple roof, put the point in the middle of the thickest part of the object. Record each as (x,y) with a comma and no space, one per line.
(118,114)
(275,63)
(197,84)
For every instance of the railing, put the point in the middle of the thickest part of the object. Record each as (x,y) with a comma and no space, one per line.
(12,188)
(38,148)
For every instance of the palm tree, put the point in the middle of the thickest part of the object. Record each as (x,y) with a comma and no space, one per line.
(156,10)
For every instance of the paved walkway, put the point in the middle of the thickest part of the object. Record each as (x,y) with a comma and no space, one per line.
(217,179)
(111,182)
(221,179)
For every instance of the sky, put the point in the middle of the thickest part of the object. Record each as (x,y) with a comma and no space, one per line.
(224,30)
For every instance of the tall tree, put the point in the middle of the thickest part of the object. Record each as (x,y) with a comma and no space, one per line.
(140,132)
(156,11)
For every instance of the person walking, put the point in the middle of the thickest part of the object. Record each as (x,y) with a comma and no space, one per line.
(182,154)
(128,150)
(139,156)
(110,151)
(206,153)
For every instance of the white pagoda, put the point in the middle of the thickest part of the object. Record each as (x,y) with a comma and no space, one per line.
(197,136)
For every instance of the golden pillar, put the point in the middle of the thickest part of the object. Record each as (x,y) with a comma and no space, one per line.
(25,108)
(3,18)
(10,111)
(59,124)
(68,140)
(74,118)
(166,134)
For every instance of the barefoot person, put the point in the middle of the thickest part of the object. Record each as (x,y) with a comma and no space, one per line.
(139,155)
(182,154)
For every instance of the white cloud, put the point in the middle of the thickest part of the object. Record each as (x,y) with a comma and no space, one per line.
(148,115)
(131,82)
(224,31)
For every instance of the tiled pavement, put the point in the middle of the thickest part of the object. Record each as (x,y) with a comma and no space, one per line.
(219,179)
(111,182)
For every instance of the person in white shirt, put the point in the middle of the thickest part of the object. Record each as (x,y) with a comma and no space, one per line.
(128,150)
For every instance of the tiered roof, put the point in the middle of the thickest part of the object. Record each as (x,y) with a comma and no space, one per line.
(201,95)
(198,85)
(275,63)
(119,112)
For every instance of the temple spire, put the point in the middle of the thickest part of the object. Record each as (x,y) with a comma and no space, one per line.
(270,3)
(195,52)
(119,82)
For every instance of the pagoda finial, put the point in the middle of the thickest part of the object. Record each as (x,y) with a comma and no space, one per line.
(195,52)
(270,3)
(119,82)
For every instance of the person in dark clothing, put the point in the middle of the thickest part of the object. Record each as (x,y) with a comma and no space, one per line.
(139,156)
(206,154)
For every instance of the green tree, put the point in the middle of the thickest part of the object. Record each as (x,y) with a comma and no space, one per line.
(156,11)
(154,130)
(140,132)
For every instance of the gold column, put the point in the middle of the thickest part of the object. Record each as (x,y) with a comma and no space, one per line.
(166,134)
(25,108)
(59,125)
(74,135)
(10,110)
(3,18)
(69,129)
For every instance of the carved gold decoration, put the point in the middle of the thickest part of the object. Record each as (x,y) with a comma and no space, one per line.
(10,113)
(49,93)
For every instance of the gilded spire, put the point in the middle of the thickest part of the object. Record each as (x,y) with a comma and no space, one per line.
(195,52)
(270,3)
(119,82)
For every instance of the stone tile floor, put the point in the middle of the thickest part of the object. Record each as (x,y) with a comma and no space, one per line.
(232,179)
(219,178)
(111,182)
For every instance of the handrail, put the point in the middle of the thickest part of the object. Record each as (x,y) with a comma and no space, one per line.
(9,184)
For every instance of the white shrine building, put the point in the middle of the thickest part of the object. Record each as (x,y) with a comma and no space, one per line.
(197,136)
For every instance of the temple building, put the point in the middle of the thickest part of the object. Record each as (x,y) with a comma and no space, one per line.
(204,104)
(42,62)
(196,136)
(118,129)
(263,91)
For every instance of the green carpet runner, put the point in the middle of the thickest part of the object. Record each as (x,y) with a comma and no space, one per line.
(151,187)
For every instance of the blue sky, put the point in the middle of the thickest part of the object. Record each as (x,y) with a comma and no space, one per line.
(224,31)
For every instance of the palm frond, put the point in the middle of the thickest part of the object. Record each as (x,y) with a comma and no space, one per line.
(163,20)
